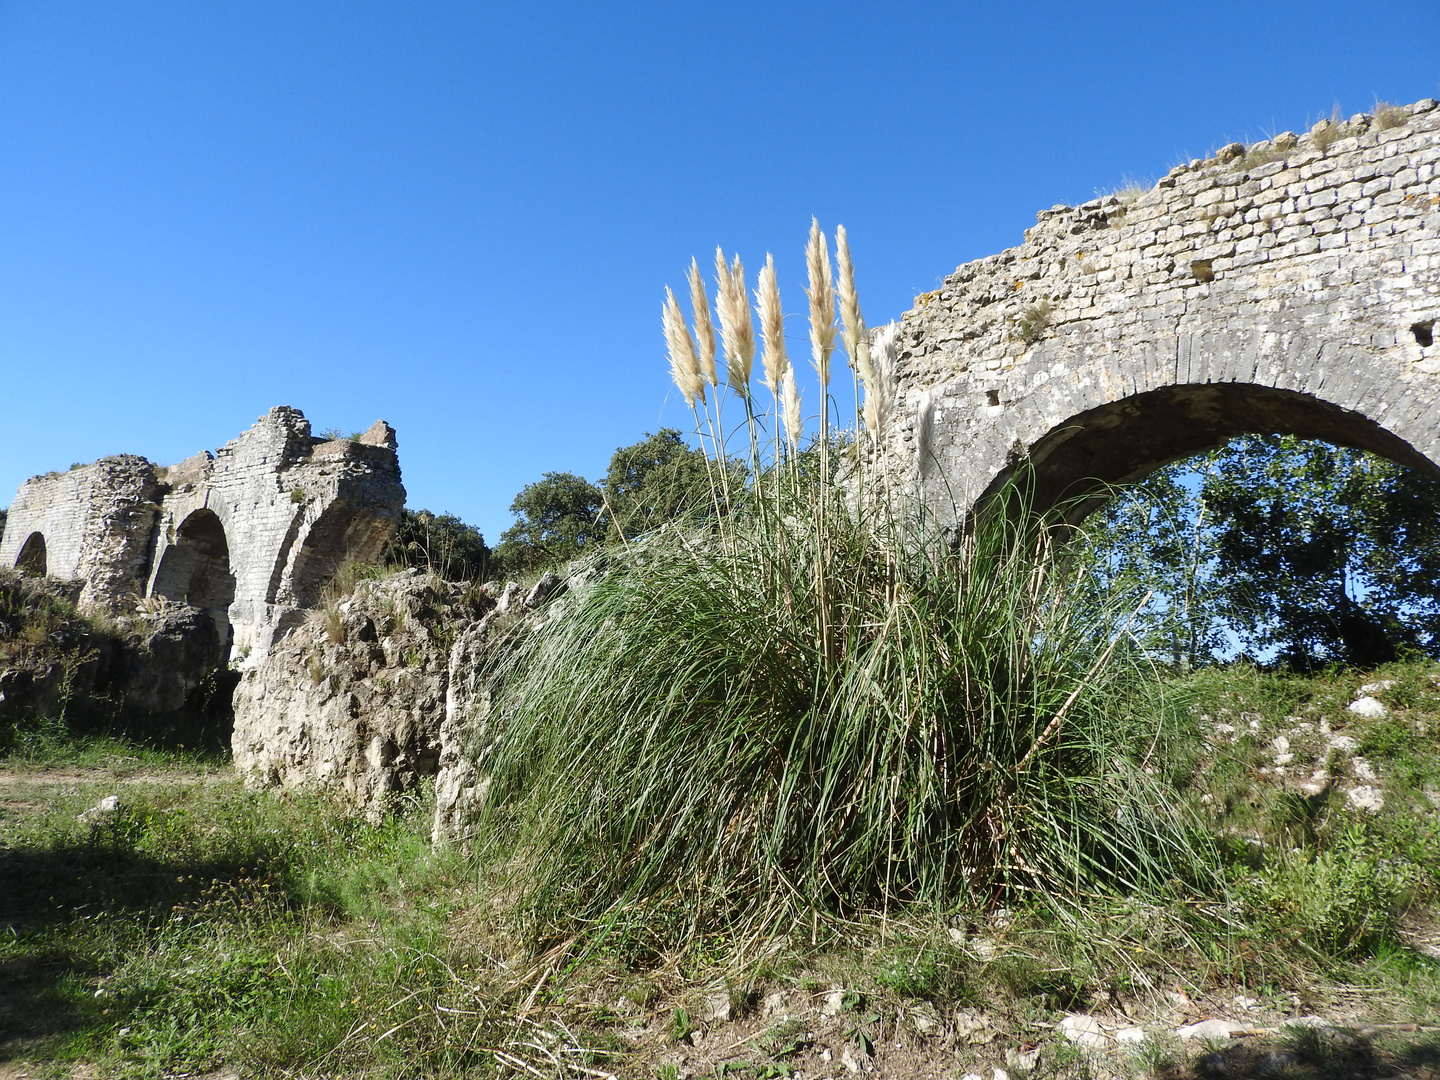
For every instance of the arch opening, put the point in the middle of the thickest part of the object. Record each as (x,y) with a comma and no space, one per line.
(31,560)
(1280,550)
(195,569)
(1080,462)
(341,534)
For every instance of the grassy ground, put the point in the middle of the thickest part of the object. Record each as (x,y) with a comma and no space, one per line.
(201,926)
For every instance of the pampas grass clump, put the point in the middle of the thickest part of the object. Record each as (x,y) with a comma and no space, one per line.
(817,702)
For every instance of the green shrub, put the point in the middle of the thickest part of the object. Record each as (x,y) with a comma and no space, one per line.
(1342,901)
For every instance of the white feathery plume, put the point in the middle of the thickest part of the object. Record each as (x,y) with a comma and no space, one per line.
(857,342)
(772,328)
(880,398)
(790,403)
(704,328)
(684,367)
(737,332)
(821,293)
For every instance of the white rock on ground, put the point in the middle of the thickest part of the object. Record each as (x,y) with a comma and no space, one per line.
(1368,707)
(1084,1030)
(1365,797)
(1208,1029)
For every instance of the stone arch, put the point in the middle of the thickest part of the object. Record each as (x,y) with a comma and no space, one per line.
(1294,291)
(1080,461)
(195,569)
(341,534)
(31,560)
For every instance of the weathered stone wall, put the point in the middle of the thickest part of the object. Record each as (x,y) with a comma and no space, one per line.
(250,534)
(96,521)
(383,687)
(354,698)
(1288,287)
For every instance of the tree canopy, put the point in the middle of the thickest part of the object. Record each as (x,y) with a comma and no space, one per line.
(1288,550)
(439,542)
(654,481)
(556,518)
(562,515)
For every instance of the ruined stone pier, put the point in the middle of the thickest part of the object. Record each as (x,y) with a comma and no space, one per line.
(252,533)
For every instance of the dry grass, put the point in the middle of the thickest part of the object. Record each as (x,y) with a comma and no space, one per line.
(1386,116)
(737,331)
(821,294)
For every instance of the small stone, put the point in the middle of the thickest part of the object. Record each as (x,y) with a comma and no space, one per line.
(1377,687)
(1368,707)
(834,1002)
(924,1019)
(1363,770)
(1366,797)
(1343,743)
(972,1027)
(1022,1059)
(1207,1029)
(1001,1074)
(1281,744)
(1085,1030)
(849,1060)
(1230,152)
(775,1004)
(717,1007)
(1245,1004)
(1132,1036)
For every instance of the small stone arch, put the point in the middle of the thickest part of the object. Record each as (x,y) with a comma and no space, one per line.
(31,560)
(195,569)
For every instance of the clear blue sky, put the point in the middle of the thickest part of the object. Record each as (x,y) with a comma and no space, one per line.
(461,216)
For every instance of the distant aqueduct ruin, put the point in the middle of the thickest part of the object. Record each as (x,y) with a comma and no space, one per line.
(251,533)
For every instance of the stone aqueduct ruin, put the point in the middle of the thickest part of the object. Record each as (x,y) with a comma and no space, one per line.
(1288,287)
(1291,287)
(251,533)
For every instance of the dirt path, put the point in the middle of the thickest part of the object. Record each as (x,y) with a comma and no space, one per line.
(29,789)
(76,776)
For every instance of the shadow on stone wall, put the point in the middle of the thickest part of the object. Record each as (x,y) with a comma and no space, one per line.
(155,675)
